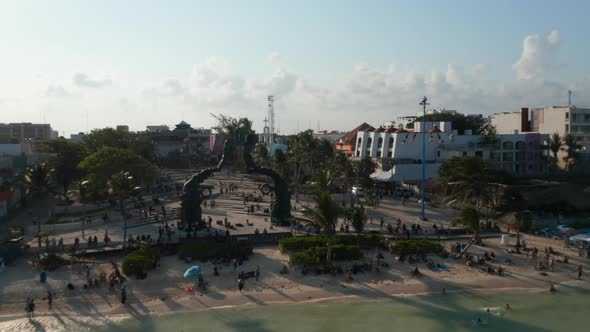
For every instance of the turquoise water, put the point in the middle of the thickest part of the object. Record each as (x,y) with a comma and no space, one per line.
(566,310)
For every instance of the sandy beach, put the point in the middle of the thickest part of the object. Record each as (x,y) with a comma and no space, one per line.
(164,290)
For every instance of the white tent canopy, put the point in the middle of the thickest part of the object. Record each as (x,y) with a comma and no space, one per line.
(581,237)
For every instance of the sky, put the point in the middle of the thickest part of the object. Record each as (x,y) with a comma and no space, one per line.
(80,65)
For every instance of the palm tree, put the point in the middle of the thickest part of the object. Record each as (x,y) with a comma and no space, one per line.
(324,217)
(555,144)
(121,186)
(572,146)
(469,180)
(37,179)
(470,219)
(359,219)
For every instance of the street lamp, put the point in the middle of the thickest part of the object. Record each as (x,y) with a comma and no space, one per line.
(423,103)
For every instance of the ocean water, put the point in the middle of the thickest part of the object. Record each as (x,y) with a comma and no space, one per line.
(566,310)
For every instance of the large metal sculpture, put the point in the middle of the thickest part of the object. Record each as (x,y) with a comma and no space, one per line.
(192,197)
(281,202)
(193,193)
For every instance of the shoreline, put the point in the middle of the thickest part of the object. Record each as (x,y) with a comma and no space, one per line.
(49,319)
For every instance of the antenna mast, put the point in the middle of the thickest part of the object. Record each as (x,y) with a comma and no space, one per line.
(271,118)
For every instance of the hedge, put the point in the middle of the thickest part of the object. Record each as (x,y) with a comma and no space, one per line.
(416,246)
(51,262)
(140,260)
(204,249)
(366,241)
(317,255)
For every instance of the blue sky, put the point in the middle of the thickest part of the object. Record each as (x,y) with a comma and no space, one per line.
(338,62)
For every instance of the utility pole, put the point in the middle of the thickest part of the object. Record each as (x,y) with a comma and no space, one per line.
(424,103)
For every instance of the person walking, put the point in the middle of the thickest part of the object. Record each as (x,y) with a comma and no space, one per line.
(241,284)
(580,270)
(257,272)
(235,264)
(32,308)
(49,299)
(123,295)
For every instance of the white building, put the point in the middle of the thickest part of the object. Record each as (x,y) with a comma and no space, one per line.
(519,154)
(548,120)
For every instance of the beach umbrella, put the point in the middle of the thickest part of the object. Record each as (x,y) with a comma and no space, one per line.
(192,271)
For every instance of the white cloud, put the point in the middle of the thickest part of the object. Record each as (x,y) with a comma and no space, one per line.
(84,81)
(56,91)
(538,56)
(364,92)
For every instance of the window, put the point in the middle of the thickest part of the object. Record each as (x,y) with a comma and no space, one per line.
(464,154)
(567,128)
(479,154)
(438,153)
(520,145)
(567,115)
(507,156)
(380,143)
(391,142)
(358,144)
(507,146)
(369,142)
(390,154)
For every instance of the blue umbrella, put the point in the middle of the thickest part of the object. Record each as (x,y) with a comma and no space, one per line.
(192,271)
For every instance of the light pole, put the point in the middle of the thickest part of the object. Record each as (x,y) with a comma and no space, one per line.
(424,103)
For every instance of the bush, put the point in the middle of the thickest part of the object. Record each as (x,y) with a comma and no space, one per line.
(366,241)
(411,247)
(51,262)
(202,249)
(135,264)
(317,255)
(140,260)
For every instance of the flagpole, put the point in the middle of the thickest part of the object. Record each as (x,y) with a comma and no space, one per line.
(423,103)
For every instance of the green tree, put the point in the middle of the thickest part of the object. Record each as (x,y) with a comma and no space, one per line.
(364,168)
(38,180)
(121,186)
(358,220)
(140,144)
(106,137)
(261,155)
(64,163)
(555,144)
(324,217)
(108,161)
(280,164)
(468,178)
(488,135)
(571,149)
(343,171)
(470,219)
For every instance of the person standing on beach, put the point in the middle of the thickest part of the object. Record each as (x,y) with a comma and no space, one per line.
(257,272)
(28,307)
(580,270)
(49,299)
(123,295)
(241,284)
(32,308)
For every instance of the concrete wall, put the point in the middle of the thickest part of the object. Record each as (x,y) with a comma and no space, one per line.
(507,123)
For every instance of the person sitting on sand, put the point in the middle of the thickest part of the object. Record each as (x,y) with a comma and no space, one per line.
(552,288)
(416,272)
